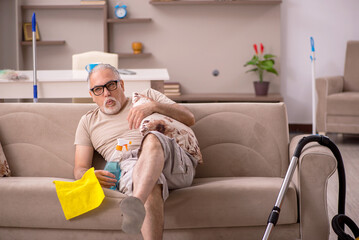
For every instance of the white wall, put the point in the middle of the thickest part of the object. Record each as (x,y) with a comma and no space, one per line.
(7,35)
(190,41)
(332,23)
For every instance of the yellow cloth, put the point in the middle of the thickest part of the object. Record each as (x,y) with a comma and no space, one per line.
(81,196)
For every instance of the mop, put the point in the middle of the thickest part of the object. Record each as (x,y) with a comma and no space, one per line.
(312,58)
(34,56)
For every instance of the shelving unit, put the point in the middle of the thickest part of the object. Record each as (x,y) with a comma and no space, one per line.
(129,20)
(217,2)
(43,43)
(60,6)
(106,22)
(132,55)
(225,97)
(101,7)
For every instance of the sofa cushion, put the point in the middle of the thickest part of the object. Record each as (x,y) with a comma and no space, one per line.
(45,135)
(241,139)
(210,202)
(42,208)
(228,202)
(345,103)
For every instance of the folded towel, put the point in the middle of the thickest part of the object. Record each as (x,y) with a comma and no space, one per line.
(81,196)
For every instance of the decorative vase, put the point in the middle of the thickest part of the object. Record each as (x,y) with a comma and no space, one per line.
(137,47)
(261,88)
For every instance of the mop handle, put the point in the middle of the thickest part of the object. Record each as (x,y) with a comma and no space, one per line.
(34,56)
(312,57)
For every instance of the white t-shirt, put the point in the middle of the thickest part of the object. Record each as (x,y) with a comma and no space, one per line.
(101,130)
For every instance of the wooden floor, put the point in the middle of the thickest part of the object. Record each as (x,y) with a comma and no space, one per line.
(349,148)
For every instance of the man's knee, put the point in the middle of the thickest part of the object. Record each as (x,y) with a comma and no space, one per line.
(152,142)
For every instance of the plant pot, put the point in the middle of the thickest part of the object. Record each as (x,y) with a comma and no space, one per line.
(261,88)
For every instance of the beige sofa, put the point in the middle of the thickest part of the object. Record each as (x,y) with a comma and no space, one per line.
(246,152)
(338,97)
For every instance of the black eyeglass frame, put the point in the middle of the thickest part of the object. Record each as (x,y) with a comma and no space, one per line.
(105,86)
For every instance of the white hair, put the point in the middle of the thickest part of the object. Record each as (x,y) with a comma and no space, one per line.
(103,66)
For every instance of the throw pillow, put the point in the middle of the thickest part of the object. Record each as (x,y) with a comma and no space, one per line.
(170,127)
(4,166)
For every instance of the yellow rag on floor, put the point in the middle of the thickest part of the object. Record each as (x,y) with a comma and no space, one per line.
(81,196)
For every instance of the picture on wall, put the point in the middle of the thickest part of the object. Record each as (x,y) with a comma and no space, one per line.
(28,32)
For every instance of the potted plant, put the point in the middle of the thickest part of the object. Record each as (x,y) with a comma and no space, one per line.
(261,63)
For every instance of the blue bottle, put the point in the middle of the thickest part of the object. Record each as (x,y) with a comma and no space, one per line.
(114,168)
(113,165)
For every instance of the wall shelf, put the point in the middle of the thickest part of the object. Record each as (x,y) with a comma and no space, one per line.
(224,2)
(43,43)
(132,55)
(101,7)
(129,20)
(77,6)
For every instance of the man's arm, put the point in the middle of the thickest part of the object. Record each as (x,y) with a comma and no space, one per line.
(83,162)
(175,111)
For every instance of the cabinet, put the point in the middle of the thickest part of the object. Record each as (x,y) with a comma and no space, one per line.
(105,22)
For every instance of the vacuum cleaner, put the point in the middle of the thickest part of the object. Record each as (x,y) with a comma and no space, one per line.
(338,221)
(324,141)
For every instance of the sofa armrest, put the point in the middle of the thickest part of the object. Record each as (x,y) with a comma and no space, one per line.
(325,87)
(316,165)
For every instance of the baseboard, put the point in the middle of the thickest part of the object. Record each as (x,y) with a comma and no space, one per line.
(300,128)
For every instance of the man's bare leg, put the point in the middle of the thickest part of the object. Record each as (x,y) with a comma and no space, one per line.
(148,167)
(152,227)
(145,176)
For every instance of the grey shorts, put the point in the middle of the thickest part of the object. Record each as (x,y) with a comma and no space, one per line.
(178,171)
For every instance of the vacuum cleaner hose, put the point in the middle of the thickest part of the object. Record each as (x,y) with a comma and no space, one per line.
(325,141)
(340,220)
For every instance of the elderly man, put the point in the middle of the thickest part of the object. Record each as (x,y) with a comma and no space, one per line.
(147,172)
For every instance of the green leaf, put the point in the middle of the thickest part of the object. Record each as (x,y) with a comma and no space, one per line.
(267,56)
(272,70)
(253,61)
(252,70)
(249,63)
(266,64)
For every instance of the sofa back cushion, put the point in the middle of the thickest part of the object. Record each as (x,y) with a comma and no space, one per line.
(236,139)
(351,70)
(241,139)
(38,139)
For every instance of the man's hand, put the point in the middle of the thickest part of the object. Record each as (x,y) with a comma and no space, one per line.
(106,178)
(175,111)
(138,113)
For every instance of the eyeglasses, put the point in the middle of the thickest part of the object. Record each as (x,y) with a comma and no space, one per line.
(110,85)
